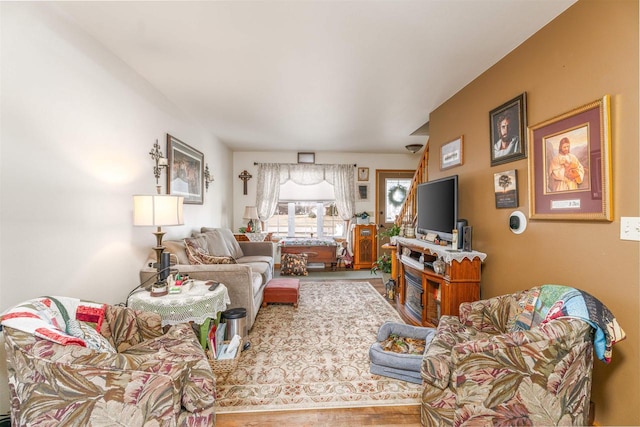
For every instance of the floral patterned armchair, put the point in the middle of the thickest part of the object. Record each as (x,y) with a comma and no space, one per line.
(78,364)
(519,359)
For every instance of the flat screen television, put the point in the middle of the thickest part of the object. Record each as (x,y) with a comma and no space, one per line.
(437,205)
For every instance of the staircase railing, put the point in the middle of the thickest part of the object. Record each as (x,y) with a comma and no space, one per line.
(408,210)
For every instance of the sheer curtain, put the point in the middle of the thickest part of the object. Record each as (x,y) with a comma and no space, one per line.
(271,175)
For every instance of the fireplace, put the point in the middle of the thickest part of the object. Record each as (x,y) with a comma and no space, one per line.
(413,290)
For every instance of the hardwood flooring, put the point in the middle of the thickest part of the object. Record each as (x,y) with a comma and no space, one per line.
(352,417)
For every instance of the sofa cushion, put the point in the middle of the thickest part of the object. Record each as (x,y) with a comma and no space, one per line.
(222,240)
(255,258)
(215,244)
(293,265)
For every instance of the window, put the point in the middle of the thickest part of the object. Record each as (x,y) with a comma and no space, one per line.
(305,211)
(396,193)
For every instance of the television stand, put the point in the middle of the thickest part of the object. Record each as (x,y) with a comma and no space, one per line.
(424,295)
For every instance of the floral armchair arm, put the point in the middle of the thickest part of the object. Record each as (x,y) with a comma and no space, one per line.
(178,354)
(436,363)
(544,373)
(125,327)
(493,315)
(72,385)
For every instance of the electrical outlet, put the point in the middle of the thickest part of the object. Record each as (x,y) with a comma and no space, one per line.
(630,228)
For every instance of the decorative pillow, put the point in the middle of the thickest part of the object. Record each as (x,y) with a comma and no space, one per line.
(199,255)
(90,336)
(293,265)
(91,314)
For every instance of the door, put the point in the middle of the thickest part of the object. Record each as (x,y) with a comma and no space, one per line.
(391,191)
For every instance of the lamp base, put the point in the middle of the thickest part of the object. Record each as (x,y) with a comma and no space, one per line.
(159,289)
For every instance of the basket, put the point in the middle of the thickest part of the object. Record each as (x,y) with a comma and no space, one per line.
(226,365)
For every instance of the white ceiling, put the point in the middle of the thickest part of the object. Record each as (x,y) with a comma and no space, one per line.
(312,75)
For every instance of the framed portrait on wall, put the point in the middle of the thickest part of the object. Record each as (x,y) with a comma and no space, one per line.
(363,192)
(185,174)
(508,123)
(570,165)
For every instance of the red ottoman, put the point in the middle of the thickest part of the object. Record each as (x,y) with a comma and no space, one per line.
(281,290)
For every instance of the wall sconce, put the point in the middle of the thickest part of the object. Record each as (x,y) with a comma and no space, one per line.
(161,162)
(208,177)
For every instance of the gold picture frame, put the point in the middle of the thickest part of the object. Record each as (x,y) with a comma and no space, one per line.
(363,174)
(570,165)
(185,174)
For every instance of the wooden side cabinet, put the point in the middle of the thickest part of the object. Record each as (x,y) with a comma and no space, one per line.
(364,246)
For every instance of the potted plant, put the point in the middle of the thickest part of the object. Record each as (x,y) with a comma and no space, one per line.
(389,232)
(383,265)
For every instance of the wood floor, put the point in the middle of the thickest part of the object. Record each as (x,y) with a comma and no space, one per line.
(352,417)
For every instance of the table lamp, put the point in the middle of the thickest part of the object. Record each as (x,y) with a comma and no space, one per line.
(158,210)
(251,213)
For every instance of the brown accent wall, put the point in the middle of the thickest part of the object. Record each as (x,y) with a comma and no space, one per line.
(587,52)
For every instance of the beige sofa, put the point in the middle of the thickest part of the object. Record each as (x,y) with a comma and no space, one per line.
(245,279)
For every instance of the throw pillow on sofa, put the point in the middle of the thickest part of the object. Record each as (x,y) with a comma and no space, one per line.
(222,242)
(293,265)
(199,255)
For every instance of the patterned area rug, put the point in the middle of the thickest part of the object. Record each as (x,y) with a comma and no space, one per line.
(315,356)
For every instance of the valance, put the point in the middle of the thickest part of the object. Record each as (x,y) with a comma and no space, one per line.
(272,175)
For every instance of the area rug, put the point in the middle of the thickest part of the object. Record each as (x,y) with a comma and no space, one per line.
(315,356)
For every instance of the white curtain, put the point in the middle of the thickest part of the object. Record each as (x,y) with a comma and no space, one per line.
(271,175)
(268,190)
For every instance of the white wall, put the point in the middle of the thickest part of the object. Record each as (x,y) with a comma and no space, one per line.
(244,160)
(76,128)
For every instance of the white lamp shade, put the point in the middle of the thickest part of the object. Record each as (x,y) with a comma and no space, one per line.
(250,212)
(157,210)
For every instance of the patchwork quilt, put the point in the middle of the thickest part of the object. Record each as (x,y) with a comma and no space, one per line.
(555,301)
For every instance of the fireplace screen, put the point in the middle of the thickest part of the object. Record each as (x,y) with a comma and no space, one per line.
(414,295)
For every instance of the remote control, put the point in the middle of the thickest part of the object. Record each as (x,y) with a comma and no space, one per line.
(213,284)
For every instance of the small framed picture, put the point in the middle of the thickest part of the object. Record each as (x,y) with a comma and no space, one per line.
(308,158)
(363,192)
(363,174)
(505,185)
(507,123)
(451,154)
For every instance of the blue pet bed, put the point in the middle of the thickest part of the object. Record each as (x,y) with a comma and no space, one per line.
(405,367)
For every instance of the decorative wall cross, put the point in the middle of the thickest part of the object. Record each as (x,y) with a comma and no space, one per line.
(245,176)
